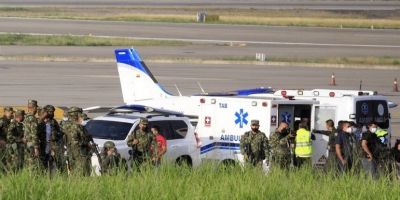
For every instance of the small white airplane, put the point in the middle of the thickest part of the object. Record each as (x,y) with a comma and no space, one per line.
(140,87)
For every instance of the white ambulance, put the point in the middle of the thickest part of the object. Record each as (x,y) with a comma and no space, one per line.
(223,120)
(360,107)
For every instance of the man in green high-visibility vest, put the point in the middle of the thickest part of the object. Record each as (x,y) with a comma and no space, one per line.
(303,149)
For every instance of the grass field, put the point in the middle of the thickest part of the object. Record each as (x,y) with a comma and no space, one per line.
(206,182)
(68,40)
(300,17)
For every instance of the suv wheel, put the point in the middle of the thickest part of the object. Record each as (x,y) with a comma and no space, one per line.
(184,161)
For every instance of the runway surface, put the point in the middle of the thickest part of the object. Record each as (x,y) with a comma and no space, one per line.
(87,83)
(246,40)
(258,4)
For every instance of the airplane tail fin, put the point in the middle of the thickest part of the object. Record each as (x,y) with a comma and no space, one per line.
(137,82)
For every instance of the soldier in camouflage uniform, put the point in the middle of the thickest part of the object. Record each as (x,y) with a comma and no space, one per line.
(280,146)
(4,124)
(65,125)
(51,141)
(77,141)
(110,157)
(141,141)
(15,145)
(254,145)
(31,137)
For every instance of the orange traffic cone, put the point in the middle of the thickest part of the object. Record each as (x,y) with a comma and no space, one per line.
(395,86)
(333,79)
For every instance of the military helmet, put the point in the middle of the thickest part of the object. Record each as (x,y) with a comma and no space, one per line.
(144,121)
(19,112)
(49,108)
(255,122)
(32,103)
(109,144)
(8,108)
(75,109)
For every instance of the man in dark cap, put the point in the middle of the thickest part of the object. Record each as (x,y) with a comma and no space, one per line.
(51,140)
(31,136)
(254,145)
(4,124)
(141,141)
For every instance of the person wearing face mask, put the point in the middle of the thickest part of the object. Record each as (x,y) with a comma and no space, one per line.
(370,146)
(280,146)
(355,137)
(254,145)
(344,145)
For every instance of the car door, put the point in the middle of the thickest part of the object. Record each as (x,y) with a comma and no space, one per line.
(174,132)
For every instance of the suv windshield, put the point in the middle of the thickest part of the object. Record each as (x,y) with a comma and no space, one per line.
(108,129)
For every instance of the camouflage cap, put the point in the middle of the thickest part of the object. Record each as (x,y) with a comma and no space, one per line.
(49,108)
(8,108)
(19,112)
(75,109)
(255,122)
(144,121)
(33,103)
(109,144)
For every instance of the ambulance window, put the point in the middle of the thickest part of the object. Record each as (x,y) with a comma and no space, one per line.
(180,129)
(373,110)
(323,113)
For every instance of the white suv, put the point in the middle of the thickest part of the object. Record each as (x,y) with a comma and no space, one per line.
(122,121)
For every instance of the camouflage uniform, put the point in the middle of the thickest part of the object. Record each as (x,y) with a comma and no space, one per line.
(4,124)
(15,146)
(141,150)
(280,147)
(31,135)
(254,146)
(51,142)
(77,141)
(110,163)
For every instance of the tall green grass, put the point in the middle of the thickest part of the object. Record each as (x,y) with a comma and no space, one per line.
(205,182)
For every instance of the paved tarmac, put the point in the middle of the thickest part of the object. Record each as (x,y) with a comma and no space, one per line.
(88,83)
(246,40)
(211,33)
(205,51)
(258,4)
